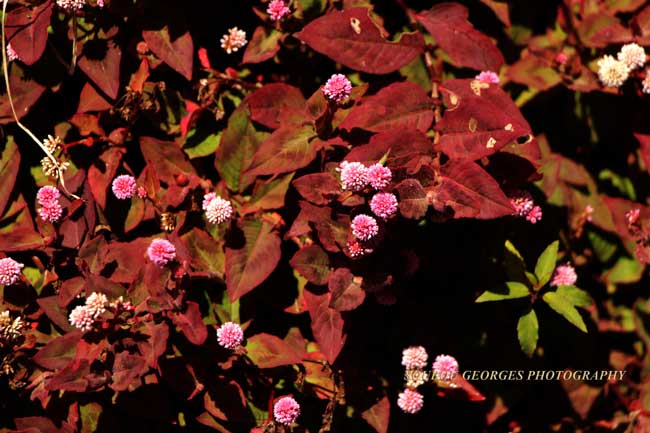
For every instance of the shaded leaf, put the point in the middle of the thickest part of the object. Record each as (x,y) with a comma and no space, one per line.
(9,164)
(287,149)
(326,324)
(264,44)
(509,290)
(207,253)
(58,352)
(312,263)
(27,31)
(24,92)
(101,62)
(378,415)
(191,324)
(178,54)
(268,194)
(269,351)
(413,201)
(345,289)
(318,188)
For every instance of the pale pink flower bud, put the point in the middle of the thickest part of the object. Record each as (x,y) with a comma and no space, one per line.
(277,10)
(632,55)
(286,410)
(338,88)
(96,304)
(233,40)
(445,367)
(564,275)
(10,271)
(124,186)
(11,53)
(356,250)
(161,252)
(410,401)
(561,58)
(632,216)
(217,210)
(71,5)
(82,318)
(414,357)
(384,204)
(364,227)
(353,176)
(379,176)
(489,77)
(230,335)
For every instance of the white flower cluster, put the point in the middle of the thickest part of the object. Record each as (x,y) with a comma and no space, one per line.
(10,329)
(613,72)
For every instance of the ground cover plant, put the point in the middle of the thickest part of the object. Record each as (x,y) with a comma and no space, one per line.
(316,215)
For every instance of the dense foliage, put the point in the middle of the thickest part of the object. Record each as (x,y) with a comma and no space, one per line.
(238,220)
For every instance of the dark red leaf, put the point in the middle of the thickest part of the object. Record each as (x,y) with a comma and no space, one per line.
(127,369)
(9,164)
(27,31)
(312,263)
(59,352)
(350,37)
(247,267)
(178,54)
(326,324)
(378,415)
(275,102)
(104,71)
(287,149)
(318,188)
(264,44)
(346,290)
(400,105)
(70,378)
(191,324)
(268,194)
(467,47)
(155,344)
(24,92)
(102,173)
(91,100)
(413,201)
(54,312)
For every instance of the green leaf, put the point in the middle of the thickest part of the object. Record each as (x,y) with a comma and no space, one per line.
(198,147)
(528,332)
(514,264)
(546,264)
(563,306)
(509,290)
(575,296)
(604,246)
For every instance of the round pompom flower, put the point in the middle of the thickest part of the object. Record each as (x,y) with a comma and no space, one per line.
(445,367)
(71,5)
(124,186)
(47,195)
(384,204)
(217,210)
(611,72)
(489,77)
(161,251)
(82,318)
(286,410)
(564,275)
(50,212)
(561,58)
(10,271)
(414,357)
(410,401)
(379,176)
(364,227)
(632,55)
(230,335)
(277,10)
(338,88)
(96,304)
(353,176)
(233,40)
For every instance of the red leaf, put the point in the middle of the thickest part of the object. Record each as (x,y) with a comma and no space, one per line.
(191,324)
(480,122)
(247,267)
(19,235)
(346,290)
(9,164)
(87,124)
(471,192)
(644,141)
(378,415)
(127,369)
(350,37)
(275,102)
(203,58)
(318,188)
(39,424)
(24,92)
(103,71)
(27,31)
(287,149)
(58,352)
(156,343)
(312,263)
(413,201)
(326,324)
(269,351)
(91,100)
(70,378)
(405,148)
(467,47)
(207,254)
(462,390)
(264,44)
(54,312)
(400,105)
(177,54)
(601,29)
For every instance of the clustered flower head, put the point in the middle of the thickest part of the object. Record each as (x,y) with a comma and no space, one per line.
(356,250)
(612,72)
(415,357)
(379,176)
(337,88)
(632,55)
(48,199)
(564,275)
(445,367)
(561,58)
(11,53)
(410,401)
(286,410)
(10,271)
(230,335)
(121,304)
(384,204)
(82,318)
(354,175)
(161,251)
(364,227)
(489,77)
(632,216)
(71,5)
(124,186)
(96,304)
(233,40)
(522,202)
(217,210)
(277,10)
(10,329)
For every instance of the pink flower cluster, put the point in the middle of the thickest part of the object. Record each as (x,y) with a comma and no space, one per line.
(286,410)
(230,335)
(384,205)
(233,40)
(71,5)
(11,53)
(338,88)
(10,271)
(445,367)
(161,251)
(124,186)
(489,77)
(415,357)
(217,210)
(355,249)
(48,198)
(632,216)
(83,317)
(277,10)
(364,227)
(522,202)
(564,275)
(355,176)
(410,401)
